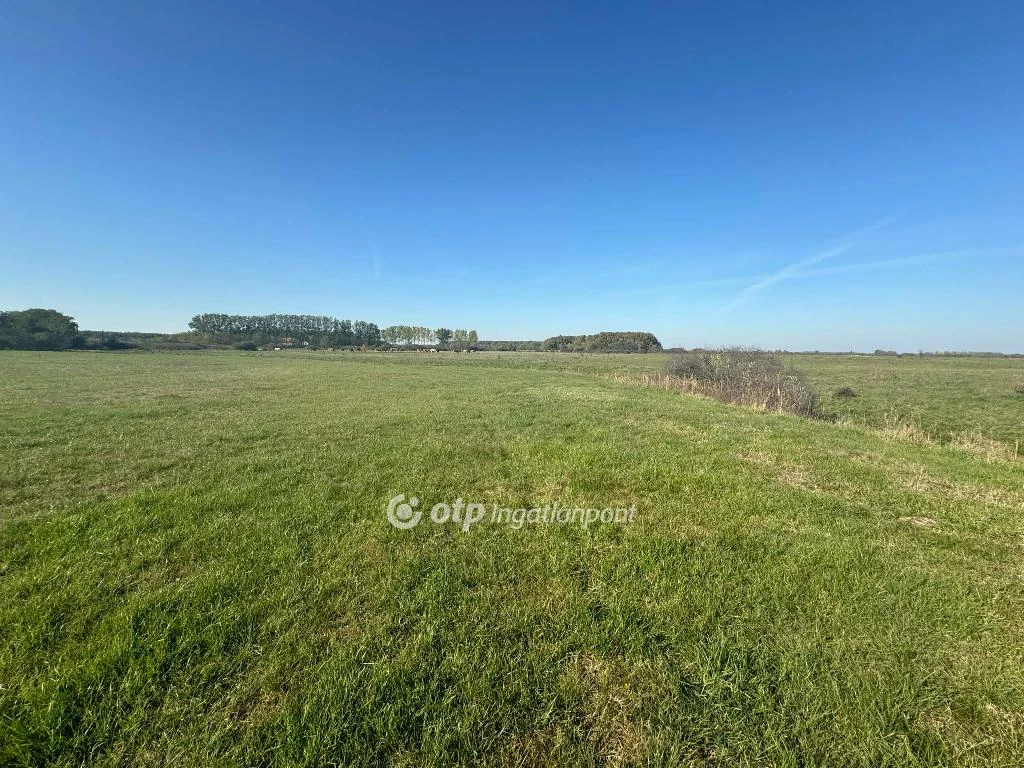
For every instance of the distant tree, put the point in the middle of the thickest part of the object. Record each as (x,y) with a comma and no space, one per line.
(472,338)
(444,335)
(460,339)
(366,334)
(38,329)
(558,344)
(509,346)
(408,334)
(300,329)
(618,341)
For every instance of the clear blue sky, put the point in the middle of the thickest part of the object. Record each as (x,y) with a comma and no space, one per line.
(800,175)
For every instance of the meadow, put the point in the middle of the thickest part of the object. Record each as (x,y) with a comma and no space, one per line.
(943,396)
(196,567)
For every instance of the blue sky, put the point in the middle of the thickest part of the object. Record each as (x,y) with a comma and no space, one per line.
(777,174)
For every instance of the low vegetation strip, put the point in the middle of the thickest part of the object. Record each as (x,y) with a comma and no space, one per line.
(746,377)
(196,567)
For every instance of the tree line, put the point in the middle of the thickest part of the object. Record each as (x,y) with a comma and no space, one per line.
(320,331)
(44,329)
(48,329)
(314,330)
(607,341)
(509,346)
(416,334)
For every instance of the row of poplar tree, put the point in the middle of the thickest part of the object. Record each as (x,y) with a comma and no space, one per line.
(320,330)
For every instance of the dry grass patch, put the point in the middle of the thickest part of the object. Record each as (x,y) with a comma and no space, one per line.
(899,428)
(614,718)
(657,380)
(941,488)
(985,447)
(795,475)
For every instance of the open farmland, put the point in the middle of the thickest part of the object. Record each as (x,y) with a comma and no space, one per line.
(196,566)
(943,396)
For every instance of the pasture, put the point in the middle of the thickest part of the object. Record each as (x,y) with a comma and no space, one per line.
(196,567)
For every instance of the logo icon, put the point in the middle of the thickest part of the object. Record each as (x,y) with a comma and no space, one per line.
(404,515)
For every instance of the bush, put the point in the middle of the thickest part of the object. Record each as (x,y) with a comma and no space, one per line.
(748,377)
(247,346)
(1020,389)
(845,392)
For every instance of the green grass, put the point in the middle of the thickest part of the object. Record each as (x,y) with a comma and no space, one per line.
(944,396)
(196,569)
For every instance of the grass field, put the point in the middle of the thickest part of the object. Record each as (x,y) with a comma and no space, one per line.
(944,396)
(196,567)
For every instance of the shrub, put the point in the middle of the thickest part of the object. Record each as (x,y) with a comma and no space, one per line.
(248,346)
(1020,389)
(845,392)
(748,377)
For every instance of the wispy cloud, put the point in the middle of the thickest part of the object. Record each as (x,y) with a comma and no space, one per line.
(904,261)
(791,270)
(746,282)
(798,267)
